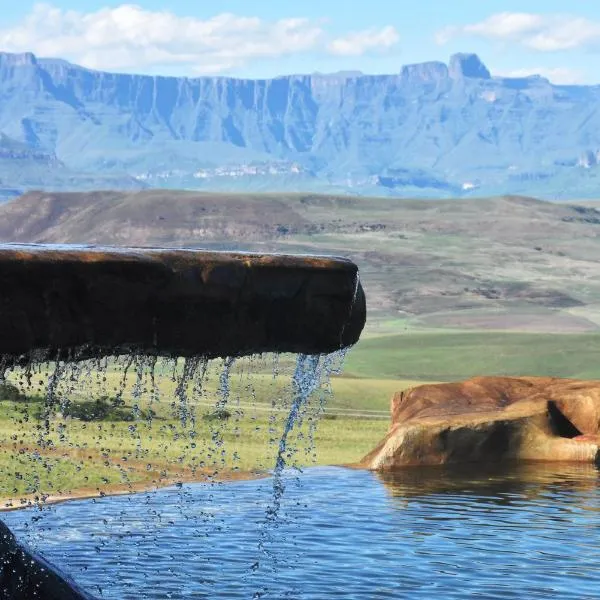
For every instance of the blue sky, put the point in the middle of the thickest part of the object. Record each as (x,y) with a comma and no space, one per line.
(263,38)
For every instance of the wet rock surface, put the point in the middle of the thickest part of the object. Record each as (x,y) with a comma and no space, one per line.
(92,301)
(492,419)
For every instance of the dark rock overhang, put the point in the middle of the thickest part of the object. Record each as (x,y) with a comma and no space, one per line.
(76,302)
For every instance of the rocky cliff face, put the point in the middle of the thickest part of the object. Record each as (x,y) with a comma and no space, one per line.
(435,123)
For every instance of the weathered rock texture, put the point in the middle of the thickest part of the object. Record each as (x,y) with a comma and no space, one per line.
(492,419)
(96,301)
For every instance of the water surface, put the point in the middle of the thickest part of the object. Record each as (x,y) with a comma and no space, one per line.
(527,532)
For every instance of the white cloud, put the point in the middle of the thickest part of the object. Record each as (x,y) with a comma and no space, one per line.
(130,37)
(359,42)
(507,25)
(545,33)
(558,75)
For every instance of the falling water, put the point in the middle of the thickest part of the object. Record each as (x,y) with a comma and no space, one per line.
(87,428)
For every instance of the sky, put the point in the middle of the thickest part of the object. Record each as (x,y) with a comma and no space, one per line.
(265,38)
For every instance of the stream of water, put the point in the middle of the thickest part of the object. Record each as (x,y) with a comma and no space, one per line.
(92,424)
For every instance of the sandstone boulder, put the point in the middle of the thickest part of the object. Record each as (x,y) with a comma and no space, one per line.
(492,419)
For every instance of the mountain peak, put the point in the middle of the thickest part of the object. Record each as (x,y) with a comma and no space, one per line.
(467,65)
(427,71)
(18,60)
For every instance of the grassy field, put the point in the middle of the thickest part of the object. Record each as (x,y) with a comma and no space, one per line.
(451,355)
(184,441)
(106,456)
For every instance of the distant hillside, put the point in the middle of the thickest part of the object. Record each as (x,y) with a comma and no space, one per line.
(505,263)
(428,130)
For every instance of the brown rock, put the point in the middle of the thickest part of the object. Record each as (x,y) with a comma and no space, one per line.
(492,419)
(98,301)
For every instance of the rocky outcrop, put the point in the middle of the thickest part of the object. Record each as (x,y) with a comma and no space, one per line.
(491,420)
(86,301)
(467,65)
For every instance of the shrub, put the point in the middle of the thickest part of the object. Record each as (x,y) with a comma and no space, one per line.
(217,415)
(91,410)
(102,409)
(11,393)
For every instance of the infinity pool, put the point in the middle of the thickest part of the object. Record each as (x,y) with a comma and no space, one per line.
(528,532)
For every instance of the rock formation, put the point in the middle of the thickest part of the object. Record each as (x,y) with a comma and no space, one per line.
(81,302)
(490,420)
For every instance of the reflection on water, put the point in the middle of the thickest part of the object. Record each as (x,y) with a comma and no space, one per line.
(530,531)
(494,482)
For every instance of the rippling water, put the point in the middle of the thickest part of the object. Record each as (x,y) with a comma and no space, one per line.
(531,532)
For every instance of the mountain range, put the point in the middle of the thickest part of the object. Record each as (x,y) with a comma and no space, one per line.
(429,130)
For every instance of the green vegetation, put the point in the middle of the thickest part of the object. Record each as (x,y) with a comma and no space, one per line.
(11,393)
(217,415)
(103,409)
(449,356)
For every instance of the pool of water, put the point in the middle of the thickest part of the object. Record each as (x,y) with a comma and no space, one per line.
(527,532)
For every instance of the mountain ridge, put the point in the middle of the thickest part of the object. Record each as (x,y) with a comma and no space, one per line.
(431,129)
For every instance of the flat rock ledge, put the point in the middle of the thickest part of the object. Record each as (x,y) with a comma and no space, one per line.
(491,420)
(86,301)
